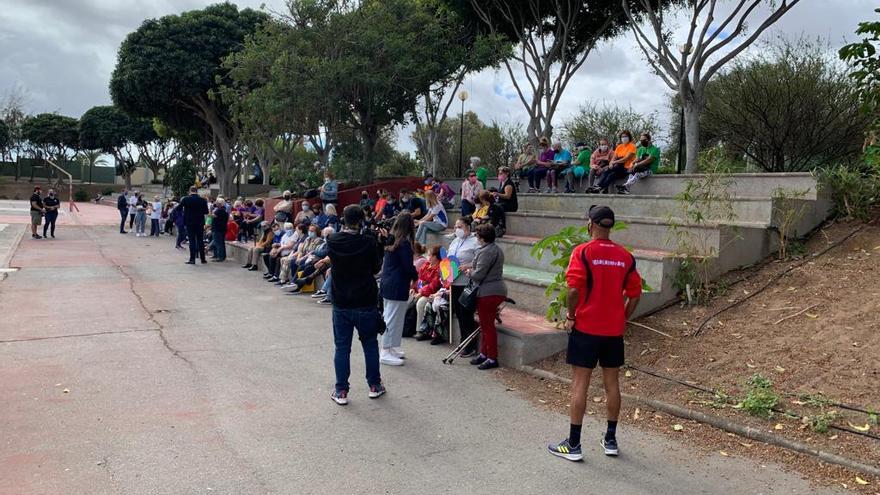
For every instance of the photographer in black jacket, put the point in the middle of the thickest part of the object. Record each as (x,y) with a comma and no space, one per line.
(355,259)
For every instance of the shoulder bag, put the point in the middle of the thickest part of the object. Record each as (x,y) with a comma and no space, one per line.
(468,297)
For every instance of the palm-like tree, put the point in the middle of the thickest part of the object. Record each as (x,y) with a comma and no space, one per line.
(89,158)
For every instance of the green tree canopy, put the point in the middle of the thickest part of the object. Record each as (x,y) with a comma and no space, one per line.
(4,136)
(56,136)
(170,68)
(593,122)
(864,59)
(112,131)
(789,109)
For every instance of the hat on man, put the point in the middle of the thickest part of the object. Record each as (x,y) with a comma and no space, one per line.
(602,216)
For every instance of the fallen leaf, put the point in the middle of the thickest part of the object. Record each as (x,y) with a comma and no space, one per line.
(792,288)
(628,374)
(542,401)
(860,428)
(833,437)
(779,369)
(725,454)
(778,426)
(673,356)
(811,315)
(747,445)
(509,389)
(597,399)
(677,427)
(861,481)
(67,391)
(636,414)
(751,365)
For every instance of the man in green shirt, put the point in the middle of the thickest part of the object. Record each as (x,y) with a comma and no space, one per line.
(578,167)
(647,162)
(481,171)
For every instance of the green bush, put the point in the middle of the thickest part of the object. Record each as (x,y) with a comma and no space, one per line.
(107,192)
(854,190)
(81,195)
(760,398)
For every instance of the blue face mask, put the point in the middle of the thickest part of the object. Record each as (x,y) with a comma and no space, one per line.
(312,235)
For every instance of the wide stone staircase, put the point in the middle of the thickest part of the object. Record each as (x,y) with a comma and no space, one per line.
(743,234)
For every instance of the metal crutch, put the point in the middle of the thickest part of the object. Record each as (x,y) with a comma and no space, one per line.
(450,358)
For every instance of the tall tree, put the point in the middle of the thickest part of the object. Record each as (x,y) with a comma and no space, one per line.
(553,40)
(52,136)
(4,138)
(593,122)
(713,38)
(13,114)
(170,68)
(864,59)
(112,131)
(787,109)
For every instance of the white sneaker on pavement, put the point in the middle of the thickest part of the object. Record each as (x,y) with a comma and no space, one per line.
(387,358)
(398,352)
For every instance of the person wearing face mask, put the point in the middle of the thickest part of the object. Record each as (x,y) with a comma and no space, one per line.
(51,203)
(279,250)
(578,168)
(327,218)
(391,208)
(284,208)
(365,201)
(305,214)
(381,201)
(506,195)
(290,264)
(621,162)
(647,162)
(524,163)
(330,189)
(413,204)
(263,245)
(434,221)
(463,247)
(600,160)
(218,230)
(488,272)
(195,208)
(398,273)
(470,193)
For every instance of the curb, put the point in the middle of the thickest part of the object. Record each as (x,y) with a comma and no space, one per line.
(729,426)
(4,263)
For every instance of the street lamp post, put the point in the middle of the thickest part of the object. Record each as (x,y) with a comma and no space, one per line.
(463,95)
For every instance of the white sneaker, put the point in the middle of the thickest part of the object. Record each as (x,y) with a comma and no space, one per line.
(387,358)
(398,352)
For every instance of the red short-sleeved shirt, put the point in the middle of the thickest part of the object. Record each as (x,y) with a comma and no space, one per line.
(612,275)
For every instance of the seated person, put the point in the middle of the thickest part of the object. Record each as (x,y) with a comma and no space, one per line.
(600,160)
(305,214)
(490,213)
(327,218)
(506,196)
(253,216)
(381,201)
(434,221)
(578,168)
(263,245)
(365,201)
(444,193)
(427,284)
(542,166)
(524,163)
(561,162)
(390,209)
(309,267)
(413,204)
(290,264)
(419,257)
(647,162)
(279,250)
(622,161)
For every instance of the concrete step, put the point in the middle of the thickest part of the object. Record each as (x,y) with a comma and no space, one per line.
(736,244)
(747,185)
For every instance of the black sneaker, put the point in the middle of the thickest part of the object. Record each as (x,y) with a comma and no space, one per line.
(253,268)
(438,340)
(488,364)
(422,336)
(478,360)
(36,236)
(622,190)
(566,451)
(610,446)
(246,266)
(340,397)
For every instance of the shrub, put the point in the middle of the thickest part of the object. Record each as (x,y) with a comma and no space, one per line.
(81,195)
(854,190)
(107,192)
(760,398)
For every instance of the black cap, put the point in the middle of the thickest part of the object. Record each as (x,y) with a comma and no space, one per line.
(602,216)
(580,144)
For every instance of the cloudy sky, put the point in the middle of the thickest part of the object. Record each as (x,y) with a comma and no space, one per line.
(59,54)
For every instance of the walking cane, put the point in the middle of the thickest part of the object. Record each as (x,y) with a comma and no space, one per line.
(450,358)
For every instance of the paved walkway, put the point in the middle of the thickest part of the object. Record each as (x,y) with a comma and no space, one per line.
(126,371)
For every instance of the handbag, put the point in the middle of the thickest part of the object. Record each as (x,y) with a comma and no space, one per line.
(468,297)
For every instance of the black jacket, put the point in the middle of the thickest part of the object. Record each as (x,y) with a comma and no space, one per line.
(195,208)
(398,272)
(122,202)
(354,260)
(221,218)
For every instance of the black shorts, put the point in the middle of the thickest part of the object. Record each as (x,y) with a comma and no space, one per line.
(586,350)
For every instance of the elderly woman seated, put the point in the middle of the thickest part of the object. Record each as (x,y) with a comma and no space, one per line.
(327,218)
(290,263)
(279,250)
(263,245)
(310,268)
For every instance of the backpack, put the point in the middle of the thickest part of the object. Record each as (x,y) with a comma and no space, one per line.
(409,322)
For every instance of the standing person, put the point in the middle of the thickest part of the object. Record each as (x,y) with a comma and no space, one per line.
(195,208)
(122,206)
(37,211)
(604,290)
(132,208)
(140,216)
(354,262)
(435,220)
(177,218)
(488,271)
(463,248)
(330,189)
(155,215)
(622,161)
(398,272)
(51,204)
(470,193)
(647,162)
(218,230)
(481,171)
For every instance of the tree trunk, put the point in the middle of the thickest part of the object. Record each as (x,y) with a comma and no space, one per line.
(368,148)
(693,108)
(127,178)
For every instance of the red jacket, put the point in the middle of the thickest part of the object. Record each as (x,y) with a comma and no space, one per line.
(231,231)
(429,279)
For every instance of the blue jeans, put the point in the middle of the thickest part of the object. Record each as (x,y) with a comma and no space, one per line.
(326,287)
(219,239)
(345,321)
(181,235)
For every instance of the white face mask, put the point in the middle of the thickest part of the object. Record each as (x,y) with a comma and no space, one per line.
(624,139)
(459,233)
(306,208)
(603,147)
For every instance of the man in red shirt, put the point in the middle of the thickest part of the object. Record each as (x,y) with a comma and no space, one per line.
(603,292)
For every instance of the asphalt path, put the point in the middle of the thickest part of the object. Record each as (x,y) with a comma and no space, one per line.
(122,370)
